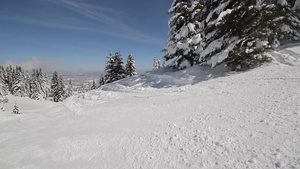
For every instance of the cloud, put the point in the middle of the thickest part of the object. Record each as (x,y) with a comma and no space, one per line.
(97,19)
(98,13)
(47,66)
(109,17)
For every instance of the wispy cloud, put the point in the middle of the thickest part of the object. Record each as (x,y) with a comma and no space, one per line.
(98,13)
(109,17)
(102,20)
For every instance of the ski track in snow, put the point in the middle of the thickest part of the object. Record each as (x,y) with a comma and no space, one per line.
(245,120)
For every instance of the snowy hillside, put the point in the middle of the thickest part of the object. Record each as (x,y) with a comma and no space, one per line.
(186,119)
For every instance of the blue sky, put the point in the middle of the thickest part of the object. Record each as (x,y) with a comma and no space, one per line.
(78,34)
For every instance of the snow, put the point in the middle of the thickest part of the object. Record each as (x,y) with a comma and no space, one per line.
(217,11)
(286,28)
(214,45)
(223,14)
(297,5)
(218,58)
(282,2)
(196,39)
(194,118)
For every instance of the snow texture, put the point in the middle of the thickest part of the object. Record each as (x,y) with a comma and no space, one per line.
(194,118)
(297,5)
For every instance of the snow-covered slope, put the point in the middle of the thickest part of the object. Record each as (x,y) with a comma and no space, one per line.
(186,119)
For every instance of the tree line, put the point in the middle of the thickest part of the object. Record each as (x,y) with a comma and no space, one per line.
(115,69)
(18,82)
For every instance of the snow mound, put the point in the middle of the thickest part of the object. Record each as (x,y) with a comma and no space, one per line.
(287,54)
(165,78)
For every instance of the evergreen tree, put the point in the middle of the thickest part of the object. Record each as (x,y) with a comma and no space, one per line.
(61,92)
(238,32)
(155,63)
(184,39)
(109,68)
(34,86)
(3,88)
(43,84)
(119,68)
(114,68)
(235,33)
(17,82)
(93,85)
(3,93)
(16,109)
(69,89)
(57,88)
(38,85)
(102,80)
(130,66)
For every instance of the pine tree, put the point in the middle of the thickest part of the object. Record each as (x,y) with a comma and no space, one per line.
(109,68)
(43,84)
(16,109)
(3,88)
(119,68)
(38,85)
(238,32)
(3,93)
(93,85)
(130,66)
(61,89)
(57,88)
(69,89)
(155,63)
(16,81)
(183,39)
(102,80)
(34,86)
(114,68)
(235,33)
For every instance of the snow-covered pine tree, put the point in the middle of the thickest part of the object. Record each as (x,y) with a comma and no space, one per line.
(3,93)
(3,87)
(61,92)
(109,68)
(42,80)
(102,80)
(155,63)
(93,87)
(130,66)
(69,89)
(16,109)
(8,75)
(18,82)
(238,32)
(119,68)
(34,86)
(159,64)
(57,88)
(114,68)
(184,39)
